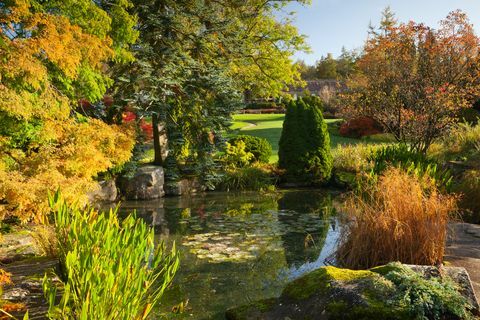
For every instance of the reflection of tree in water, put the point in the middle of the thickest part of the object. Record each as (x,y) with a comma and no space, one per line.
(304,218)
(206,212)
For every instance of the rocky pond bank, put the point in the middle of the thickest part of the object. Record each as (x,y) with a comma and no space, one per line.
(325,293)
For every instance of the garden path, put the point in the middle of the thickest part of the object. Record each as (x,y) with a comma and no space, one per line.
(463,250)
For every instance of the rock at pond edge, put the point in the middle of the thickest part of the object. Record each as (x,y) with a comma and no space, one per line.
(334,293)
(146,184)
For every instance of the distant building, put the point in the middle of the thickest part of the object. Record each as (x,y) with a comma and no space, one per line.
(326,89)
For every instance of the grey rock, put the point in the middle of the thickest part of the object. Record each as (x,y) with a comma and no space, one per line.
(106,191)
(146,184)
(184,186)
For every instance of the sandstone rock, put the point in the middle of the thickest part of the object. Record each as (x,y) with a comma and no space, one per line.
(146,184)
(105,192)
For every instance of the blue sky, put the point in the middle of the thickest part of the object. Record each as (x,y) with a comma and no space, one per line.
(331,24)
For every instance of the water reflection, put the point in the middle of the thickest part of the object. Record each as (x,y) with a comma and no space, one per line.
(237,248)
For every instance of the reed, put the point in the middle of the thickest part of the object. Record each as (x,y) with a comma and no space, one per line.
(397,219)
(110,269)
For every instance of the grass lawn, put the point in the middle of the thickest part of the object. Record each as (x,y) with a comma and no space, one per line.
(269,126)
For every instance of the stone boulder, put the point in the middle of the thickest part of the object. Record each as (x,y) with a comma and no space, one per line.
(146,184)
(184,186)
(106,191)
(334,293)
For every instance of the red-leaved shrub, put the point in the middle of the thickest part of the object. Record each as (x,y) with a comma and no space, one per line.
(360,127)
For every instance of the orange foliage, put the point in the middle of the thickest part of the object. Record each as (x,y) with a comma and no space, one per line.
(415,80)
(397,220)
(45,70)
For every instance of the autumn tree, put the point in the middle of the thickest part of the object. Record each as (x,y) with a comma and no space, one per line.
(414,80)
(55,53)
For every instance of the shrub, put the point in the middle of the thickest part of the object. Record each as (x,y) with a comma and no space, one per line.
(412,161)
(470,116)
(254,178)
(462,143)
(360,127)
(304,147)
(109,269)
(261,105)
(426,298)
(313,101)
(397,220)
(259,147)
(469,189)
(236,156)
(354,158)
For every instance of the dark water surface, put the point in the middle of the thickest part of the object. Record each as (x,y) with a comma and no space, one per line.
(239,247)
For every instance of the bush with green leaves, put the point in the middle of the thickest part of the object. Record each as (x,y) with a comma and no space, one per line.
(304,147)
(253,178)
(462,143)
(110,269)
(313,101)
(422,298)
(414,162)
(236,155)
(259,147)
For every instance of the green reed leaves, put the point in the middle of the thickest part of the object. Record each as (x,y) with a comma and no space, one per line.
(110,269)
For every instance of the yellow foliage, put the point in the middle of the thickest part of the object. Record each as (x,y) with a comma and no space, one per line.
(80,152)
(44,70)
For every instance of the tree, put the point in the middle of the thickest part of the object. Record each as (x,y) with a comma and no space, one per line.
(307,72)
(415,80)
(327,67)
(194,61)
(55,53)
(346,64)
(304,147)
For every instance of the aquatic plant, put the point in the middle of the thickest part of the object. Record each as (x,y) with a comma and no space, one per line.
(395,220)
(110,269)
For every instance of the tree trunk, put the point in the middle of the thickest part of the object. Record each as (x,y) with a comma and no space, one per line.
(157,142)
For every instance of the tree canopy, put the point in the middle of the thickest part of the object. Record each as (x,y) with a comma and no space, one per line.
(55,53)
(194,60)
(414,80)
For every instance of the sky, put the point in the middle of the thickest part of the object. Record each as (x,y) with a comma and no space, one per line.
(331,24)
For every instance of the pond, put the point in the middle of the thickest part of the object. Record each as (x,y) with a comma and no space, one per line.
(239,247)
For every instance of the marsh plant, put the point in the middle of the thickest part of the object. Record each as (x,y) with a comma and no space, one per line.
(109,269)
(397,219)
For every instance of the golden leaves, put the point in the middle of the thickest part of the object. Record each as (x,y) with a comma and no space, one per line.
(41,58)
(78,152)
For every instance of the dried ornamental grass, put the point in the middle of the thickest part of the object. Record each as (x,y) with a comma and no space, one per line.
(397,220)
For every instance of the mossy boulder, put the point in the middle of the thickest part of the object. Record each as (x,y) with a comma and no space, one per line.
(334,293)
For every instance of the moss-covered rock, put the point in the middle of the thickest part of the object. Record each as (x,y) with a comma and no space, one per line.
(334,293)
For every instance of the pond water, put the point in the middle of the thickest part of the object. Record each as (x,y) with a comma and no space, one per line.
(239,247)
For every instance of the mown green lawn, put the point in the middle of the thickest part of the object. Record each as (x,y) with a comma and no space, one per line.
(269,126)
